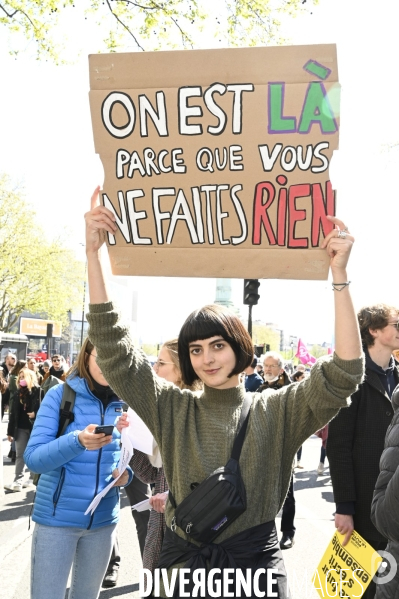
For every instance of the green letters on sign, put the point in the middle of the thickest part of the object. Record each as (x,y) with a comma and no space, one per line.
(317,109)
(277,122)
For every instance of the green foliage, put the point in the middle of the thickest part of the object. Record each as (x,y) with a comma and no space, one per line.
(262,334)
(146,24)
(317,351)
(36,275)
(149,349)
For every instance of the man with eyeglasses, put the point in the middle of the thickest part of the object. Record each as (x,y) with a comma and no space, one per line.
(356,435)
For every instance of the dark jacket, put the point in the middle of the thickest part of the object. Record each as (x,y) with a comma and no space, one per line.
(21,405)
(253,382)
(5,376)
(385,505)
(354,447)
(58,374)
(282,381)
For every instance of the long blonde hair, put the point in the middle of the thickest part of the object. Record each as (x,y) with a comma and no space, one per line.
(172,347)
(29,376)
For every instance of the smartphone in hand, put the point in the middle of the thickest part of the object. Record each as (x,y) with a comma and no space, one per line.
(107,429)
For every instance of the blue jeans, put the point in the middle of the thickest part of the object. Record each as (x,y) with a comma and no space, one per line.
(55,549)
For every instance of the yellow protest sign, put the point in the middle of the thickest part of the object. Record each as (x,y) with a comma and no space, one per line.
(346,571)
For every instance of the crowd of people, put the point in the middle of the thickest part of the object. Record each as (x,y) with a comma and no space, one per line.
(203,387)
(24,383)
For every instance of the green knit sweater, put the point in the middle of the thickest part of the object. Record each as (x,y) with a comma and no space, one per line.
(195,431)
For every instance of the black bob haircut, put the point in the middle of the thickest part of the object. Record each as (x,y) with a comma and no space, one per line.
(212,321)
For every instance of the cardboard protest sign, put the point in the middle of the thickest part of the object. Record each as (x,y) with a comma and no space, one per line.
(216,161)
(346,572)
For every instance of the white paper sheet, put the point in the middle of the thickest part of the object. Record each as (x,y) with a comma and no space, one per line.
(125,457)
(139,434)
(142,506)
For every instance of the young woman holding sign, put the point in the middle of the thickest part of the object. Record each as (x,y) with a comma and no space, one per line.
(196,431)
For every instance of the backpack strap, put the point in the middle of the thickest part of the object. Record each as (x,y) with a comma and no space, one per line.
(242,427)
(66,408)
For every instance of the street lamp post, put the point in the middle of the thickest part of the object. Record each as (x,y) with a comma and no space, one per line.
(71,336)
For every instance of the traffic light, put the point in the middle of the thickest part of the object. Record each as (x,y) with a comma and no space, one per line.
(267,347)
(251,294)
(259,350)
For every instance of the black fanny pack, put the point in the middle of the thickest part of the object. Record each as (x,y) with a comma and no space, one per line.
(216,502)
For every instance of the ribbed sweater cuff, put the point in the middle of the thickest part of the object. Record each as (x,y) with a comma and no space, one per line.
(101,308)
(355,367)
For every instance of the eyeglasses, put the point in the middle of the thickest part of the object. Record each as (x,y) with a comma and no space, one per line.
(56,360)
(394,324)
(159,363)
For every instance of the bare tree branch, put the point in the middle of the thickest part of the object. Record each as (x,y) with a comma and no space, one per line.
(139,5)
(9,14)
(125,26)
(183,34)
(29,19)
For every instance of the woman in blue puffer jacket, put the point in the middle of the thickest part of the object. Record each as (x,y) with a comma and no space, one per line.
(74,468)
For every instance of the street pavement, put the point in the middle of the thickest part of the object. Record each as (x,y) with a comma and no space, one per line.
(314,523)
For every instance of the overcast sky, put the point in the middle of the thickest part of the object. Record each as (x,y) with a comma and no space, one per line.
(46,143)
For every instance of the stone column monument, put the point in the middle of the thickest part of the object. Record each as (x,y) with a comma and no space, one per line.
(224,293)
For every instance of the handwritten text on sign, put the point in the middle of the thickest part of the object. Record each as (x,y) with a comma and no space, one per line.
(217,164)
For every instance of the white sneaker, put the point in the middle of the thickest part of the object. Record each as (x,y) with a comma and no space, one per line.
(299,465)
(28,483)
(320,469)
(15,486)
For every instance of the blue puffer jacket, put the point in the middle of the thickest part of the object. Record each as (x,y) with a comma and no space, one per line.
(71,476)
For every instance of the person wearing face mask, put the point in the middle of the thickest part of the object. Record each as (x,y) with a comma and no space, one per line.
(26,402)
(273,372)
(74,468)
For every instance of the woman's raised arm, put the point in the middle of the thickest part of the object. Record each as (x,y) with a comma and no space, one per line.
(339,244)
(98,220)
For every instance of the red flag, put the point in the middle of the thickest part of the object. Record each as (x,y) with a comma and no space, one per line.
(302,353)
